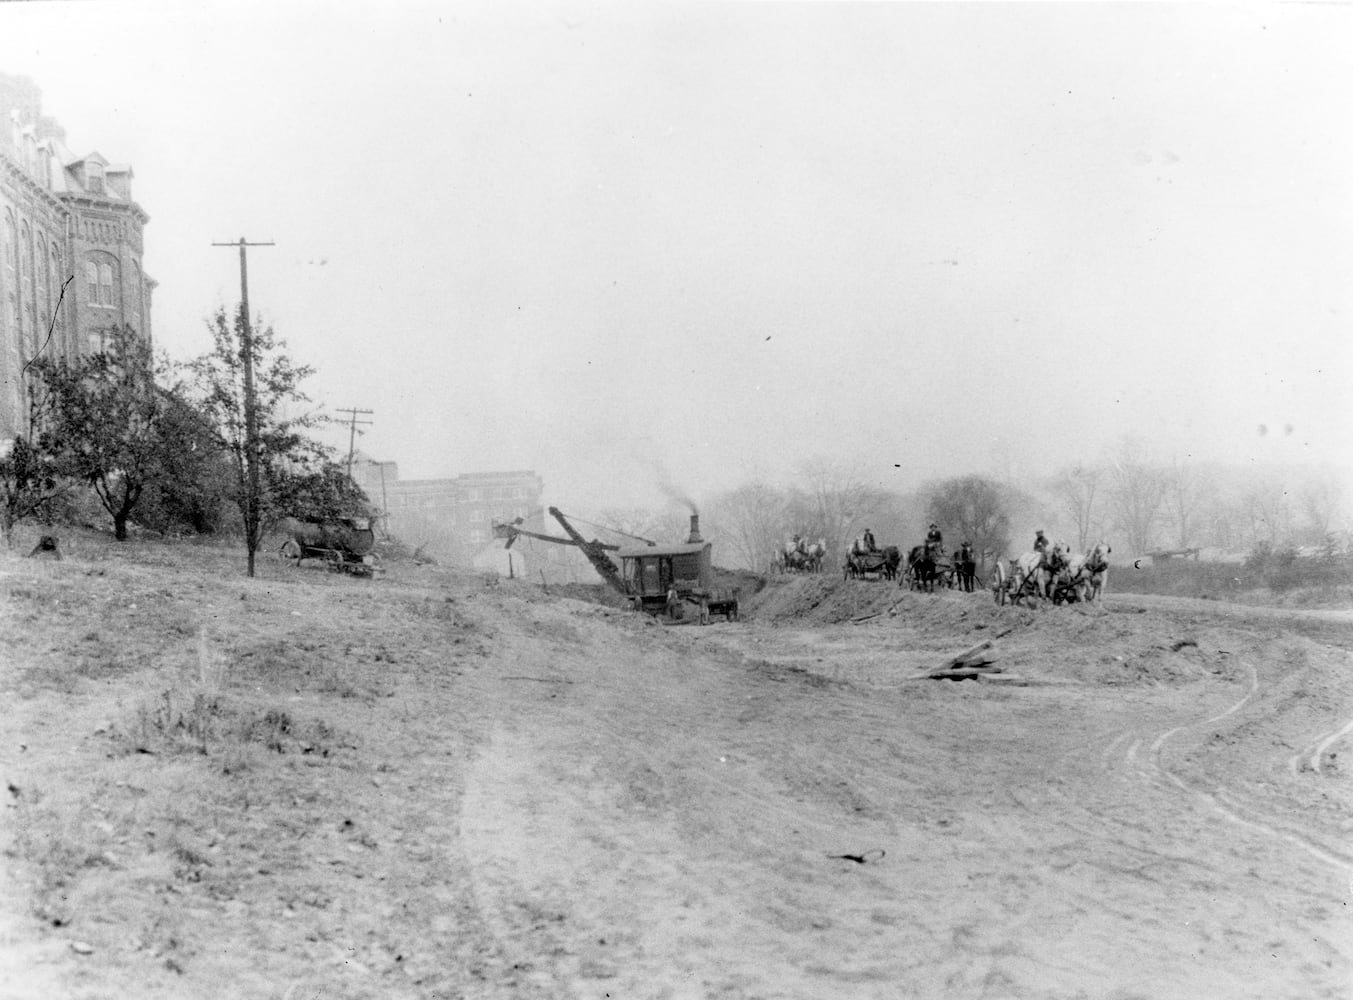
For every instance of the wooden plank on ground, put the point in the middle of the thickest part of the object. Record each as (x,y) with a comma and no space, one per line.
(963,673)
(971,651)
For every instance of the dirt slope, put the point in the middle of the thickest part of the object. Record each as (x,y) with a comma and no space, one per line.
(426,786)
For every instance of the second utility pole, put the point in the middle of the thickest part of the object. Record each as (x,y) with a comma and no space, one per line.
(352,431)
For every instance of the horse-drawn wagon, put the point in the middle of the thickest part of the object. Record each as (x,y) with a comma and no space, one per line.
(344,545)
(882,564)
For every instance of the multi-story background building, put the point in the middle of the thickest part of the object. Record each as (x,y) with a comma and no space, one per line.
(70,247)
(452,518)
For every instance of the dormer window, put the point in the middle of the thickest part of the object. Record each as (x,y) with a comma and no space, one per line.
(94,177)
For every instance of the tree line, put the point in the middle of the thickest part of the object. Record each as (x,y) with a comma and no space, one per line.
(1140,501)
(165,445)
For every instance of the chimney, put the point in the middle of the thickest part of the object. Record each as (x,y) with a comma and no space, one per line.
(695,530)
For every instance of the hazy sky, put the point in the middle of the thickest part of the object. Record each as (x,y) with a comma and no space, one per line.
(612,242)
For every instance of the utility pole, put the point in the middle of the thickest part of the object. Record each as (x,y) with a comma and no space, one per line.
(352,431)
(251,502)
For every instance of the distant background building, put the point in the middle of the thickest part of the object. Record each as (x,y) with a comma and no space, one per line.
(62,215)
(451,518)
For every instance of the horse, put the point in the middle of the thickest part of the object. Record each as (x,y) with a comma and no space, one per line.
(884,562)
(817,554)
(965,568)
(1097,570)
(922,565)
(892,559)
(1028,576)
(794,557)
(1069,581)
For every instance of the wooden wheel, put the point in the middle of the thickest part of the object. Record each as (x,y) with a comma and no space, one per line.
(290,552)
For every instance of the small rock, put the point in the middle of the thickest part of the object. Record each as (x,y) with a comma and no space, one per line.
(81,948)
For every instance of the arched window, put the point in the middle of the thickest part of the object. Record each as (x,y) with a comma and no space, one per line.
(92,281)
(43,271)
(138,299)
(55,282)
(27,275)
(10,252)
(30,331)
(106,284)
(6,265)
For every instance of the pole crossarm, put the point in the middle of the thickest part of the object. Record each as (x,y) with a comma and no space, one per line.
(353,424)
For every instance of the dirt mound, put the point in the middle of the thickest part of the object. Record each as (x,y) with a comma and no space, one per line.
(821,599)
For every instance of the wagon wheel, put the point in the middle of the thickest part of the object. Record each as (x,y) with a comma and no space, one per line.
(290,552)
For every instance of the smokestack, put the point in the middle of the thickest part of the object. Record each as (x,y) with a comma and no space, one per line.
(695,530)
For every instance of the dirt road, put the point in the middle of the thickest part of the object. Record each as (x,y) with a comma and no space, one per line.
(763,810)
(546,797)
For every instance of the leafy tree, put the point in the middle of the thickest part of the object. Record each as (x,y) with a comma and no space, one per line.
(105,415)
(971,509)
(325,494)
(30,483)
(194,491)
(280,444)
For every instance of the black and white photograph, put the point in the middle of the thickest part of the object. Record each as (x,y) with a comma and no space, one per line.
(676,501)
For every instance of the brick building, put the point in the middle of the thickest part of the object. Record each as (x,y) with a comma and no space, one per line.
(63,216)
(452,517)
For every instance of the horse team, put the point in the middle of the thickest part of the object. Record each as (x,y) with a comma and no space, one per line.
(1053,572)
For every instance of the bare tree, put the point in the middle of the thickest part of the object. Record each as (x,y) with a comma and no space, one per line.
(972,509)
(753,518)
(1077,488)
(636,525)
(1322,501)
(1268,512)
(1136,492)
(834,499)
(1185,491)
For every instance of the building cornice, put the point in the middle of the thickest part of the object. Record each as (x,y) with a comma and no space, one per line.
(16,173)
(105,205)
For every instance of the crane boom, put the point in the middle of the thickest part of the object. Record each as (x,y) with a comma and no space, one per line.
(595,550)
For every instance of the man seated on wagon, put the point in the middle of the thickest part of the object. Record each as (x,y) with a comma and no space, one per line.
(934,540)
(1040,542)
(869,543)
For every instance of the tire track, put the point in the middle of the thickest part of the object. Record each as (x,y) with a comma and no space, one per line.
(1310,758)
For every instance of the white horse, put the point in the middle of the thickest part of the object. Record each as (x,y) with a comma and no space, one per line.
(1096,568)
(817,553)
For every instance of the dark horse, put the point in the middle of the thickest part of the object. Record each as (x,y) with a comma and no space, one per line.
(965,567)
(922,566)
